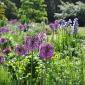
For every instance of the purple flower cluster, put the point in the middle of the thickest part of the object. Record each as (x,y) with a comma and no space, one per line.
(3,40)
(46,51)
(23,27)
(4,30)
(7,50)
(32,43)
(54,25)
(2,59)
(21,50)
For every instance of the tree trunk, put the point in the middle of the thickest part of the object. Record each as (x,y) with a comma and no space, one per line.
(51,9)
(17,2)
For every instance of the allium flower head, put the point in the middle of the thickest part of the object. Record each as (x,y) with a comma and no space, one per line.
(21,50)
(32,43)
(54,25)
(4,30)
(2,59)
(3,40)
(23,27)
(46,51)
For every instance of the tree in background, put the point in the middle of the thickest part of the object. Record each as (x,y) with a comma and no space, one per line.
(33,9)
(73,1)
(10,9)
(2,10)
(51,9)
(17,2)
(70,10)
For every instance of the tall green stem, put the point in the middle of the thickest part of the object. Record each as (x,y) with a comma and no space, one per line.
(46,70)
(53,35)
(31,82)
(82,68)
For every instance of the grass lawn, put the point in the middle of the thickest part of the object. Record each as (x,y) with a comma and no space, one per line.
(82,36)
(82,31)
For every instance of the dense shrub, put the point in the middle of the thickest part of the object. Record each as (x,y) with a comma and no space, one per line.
(33,9)
(5,78)
(10,9)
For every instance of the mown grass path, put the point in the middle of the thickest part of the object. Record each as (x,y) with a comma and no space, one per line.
(81,31)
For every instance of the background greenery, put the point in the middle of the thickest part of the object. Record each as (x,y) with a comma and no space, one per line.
(41,10)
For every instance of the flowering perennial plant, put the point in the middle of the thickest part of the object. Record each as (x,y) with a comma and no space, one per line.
(46,51)
(32,43)
(2,59)
(3,40)
(4,30)
(21,50)
(54,25)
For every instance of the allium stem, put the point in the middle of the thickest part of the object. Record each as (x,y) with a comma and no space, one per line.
(46,70)
(53,35)
(32,70)
(82,67)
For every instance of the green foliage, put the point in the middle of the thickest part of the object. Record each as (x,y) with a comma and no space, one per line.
(2,23)
(81,12)
(2,11)
(5,78)
(70,10)
(24,19)
(67,44)
(33,9)
(67,10)
(10,9)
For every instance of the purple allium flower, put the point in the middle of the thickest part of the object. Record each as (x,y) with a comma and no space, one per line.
(7,50)
(32,43)
(3,40)
(46,51)
(54,25)
(2,59)
(21,50)
(13,21)
(4,30)
(23,27)
(42,36)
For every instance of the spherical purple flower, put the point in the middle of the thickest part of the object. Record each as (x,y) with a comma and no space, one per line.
(21,50)
(4,30)
(46,51)
(32,42)
(23,27)
(2,59)
(54,25)
(3,40)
